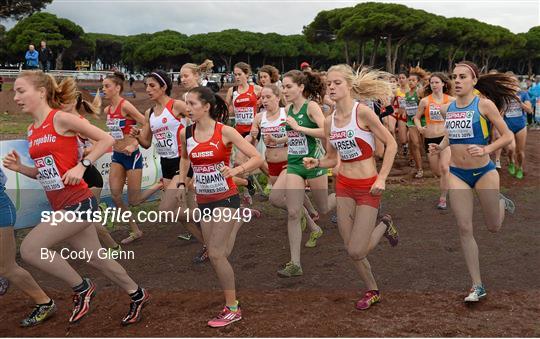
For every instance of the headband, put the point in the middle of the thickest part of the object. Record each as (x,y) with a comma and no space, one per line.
(469,67)
(160,78)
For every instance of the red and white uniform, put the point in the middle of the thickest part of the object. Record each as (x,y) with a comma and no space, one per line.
(354,144)
(245,106)
(117,124)
(275,128)
(166,128)
(351,141)
(54,155)
(207,158)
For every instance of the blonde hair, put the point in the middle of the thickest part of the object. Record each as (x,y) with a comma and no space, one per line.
(199,69)
(58,94)
(366,83)
(421,73)
(91,108)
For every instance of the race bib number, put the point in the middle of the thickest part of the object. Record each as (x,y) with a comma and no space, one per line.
(48,174)
(411,108)
(115,128)
(435,113)
(209,180)
(244,115)
(514,110)
(344,143)
(166,145)
(460,124)
(298,144)
(276,132)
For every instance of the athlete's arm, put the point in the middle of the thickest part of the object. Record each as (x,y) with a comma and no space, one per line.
(12,161)
(228,99)
(255,126)
(144,135)
(230,135)
(374,125)
(419,113)
(179,108)
(330,159)
(490,111)
(129,110)
(183,167)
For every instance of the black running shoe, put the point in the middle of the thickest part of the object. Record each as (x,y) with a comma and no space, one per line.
(252,189)
(4,285)
(135,309)
(39,314)
(202,256)
(81,301)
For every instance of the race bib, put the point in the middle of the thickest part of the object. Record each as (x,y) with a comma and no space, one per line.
(514,110)
(435,113)
(276,132)
(244,115)
(209,180)
(298,144)
(166,144)
(460,124)
(345,144)
(411,108)
(115,128)
(48,174)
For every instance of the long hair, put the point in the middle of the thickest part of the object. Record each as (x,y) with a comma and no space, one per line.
(219,110)
(314,87)
(448,85)
(366,83)
(58,94)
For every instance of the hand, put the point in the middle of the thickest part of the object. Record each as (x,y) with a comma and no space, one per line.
(269,140)
(292,123)
(378,186)
(129,149)
(421,130)
(476,151)
(12,161)
(310,163)
(74,175)
(135,132)
(228,172)
(434,148)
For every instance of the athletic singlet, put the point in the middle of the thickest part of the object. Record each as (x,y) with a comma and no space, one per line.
(118,124)
(245,107)
(299,144)
(166,129)
(275,128)
(465,125)
(207,158)
(432,111)
(54,155)
(351,141)
(514,110)
(411,104)
(400,96)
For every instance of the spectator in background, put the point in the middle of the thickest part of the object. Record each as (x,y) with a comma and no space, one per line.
(534,93)
(32,58)
(222,80)
(45,57)
(131,81)
(305,66)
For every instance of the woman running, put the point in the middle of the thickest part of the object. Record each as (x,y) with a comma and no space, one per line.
(207,145)
(400,113)
(53,146)
(126,161)
(467,123)
(268,75)
(45,306)
(305,123)
(92,177)
(351,131)
(438,94)
(411,108)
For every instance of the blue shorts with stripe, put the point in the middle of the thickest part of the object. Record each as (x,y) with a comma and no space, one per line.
(129,162)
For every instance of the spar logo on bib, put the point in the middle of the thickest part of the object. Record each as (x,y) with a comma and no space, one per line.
(350,133)
(44,162)
(470,114)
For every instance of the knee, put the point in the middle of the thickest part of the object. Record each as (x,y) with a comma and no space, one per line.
(445,170)
(276,199)
(29,252)
(357,254)
(293,212)
(133,201)
(494,227)
(465,230)
(216,254)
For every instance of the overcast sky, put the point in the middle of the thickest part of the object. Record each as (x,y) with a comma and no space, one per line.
(126,17)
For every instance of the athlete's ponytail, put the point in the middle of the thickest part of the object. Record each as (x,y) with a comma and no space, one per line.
(448,85)
(91,108)
(314,87)
(366,83)
(500,88)
(199,70)
(57,94)
(219,111)
(162,79)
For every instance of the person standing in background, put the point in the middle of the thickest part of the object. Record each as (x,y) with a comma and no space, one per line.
(32,57)
(45,57)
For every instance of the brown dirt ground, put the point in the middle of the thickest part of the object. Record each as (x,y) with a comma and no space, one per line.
(422,281)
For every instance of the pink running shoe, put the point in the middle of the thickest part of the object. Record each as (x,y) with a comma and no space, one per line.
(226,317)
(369,298)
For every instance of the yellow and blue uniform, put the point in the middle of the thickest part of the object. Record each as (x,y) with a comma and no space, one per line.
(467,126)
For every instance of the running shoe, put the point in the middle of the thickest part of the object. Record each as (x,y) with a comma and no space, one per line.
(442,204)
(333,219)
(315,216)
(202,256)
(313,236)
(81,301)
(519,174)
(109,224)
(132,237)
(255,213)
(512,169)
(508,204)
(247,200)
(226,317)
(252,189)
(405,150)
(303,222)
(4,285)
(39,314)
(135,309)
(290,270)
(419,174)
(185,236)
(391,232)
(477,292)
(267,190)
(370,298)
(498,164)
(114,251)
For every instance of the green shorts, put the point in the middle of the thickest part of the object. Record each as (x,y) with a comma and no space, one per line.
(410,121)
(305,173)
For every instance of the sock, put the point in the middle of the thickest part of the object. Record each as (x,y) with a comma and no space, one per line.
(235,307)
(81,287)
(47,304)
(138,294)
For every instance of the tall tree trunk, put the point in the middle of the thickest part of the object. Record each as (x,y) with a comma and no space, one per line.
(347,59)
(59,61)
(389,53)
(282,65)
(396,50)
(421,60)
(529,66)
(248,59)
(373,59)
(362,51)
